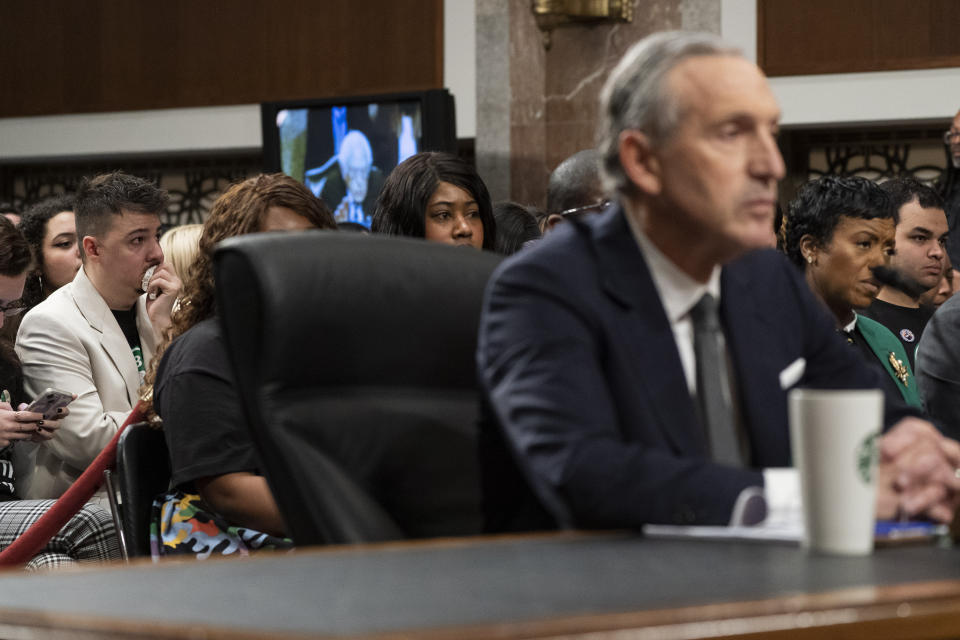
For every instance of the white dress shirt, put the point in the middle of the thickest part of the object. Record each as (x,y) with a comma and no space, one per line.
(679,293)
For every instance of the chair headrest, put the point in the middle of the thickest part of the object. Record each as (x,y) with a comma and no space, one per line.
(330,308)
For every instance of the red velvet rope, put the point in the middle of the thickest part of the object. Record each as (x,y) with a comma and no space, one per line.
(33,540)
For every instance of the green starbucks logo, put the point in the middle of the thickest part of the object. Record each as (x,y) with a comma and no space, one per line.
(866,455)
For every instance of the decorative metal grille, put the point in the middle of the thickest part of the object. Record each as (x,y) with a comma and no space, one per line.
(876,163)
(876,153)
(194,182)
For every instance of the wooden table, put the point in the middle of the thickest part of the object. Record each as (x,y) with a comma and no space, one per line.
(597,587)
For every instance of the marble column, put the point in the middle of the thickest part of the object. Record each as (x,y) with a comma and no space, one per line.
(492,146)
(536,106)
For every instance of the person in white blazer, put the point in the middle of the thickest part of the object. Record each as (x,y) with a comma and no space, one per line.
(75,340)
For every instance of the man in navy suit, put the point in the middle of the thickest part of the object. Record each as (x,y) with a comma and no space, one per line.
(587,354)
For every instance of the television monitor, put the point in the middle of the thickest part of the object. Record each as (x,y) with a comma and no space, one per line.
(344,148)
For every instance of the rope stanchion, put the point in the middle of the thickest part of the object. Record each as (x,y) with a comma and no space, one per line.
(33,540)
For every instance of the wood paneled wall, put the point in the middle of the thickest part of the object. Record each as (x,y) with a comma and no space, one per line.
(76,56)
(841,36)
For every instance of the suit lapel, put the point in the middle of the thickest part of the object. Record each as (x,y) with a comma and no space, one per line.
(644,334)
(98,315)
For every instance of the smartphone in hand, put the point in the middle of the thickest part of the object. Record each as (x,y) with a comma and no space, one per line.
(49,401)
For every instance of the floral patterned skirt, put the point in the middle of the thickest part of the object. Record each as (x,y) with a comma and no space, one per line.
(182,524)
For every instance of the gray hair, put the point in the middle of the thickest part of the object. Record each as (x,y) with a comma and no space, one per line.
(633,96)
(354,145)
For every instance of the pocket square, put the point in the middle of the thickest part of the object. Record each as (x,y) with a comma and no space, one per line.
(792,374)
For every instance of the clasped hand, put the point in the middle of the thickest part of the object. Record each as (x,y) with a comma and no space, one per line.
(919,473)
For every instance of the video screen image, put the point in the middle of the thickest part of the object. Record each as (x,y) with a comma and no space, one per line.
(344,153)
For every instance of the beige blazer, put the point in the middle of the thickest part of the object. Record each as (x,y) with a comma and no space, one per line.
(72,342)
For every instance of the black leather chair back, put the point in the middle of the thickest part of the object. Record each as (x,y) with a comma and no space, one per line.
(355,359)
(143,472)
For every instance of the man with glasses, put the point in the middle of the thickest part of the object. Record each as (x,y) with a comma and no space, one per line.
(96,335)
(949,188)
(574,189)
(951,138)
(352,193)
(637,361)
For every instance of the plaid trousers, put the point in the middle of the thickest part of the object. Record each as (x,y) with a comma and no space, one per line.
(89,536)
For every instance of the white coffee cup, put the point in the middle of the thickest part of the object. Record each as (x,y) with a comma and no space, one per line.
(833,434)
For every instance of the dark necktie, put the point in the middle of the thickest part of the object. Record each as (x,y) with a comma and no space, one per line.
(713,398)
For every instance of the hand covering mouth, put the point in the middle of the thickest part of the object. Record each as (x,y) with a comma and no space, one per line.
(146,278)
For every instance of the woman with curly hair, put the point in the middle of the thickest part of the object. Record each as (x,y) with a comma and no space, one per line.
(50,229)
(215,471)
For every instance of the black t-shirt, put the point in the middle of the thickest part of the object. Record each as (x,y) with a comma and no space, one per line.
(128,324)
(196,397)
(904,322)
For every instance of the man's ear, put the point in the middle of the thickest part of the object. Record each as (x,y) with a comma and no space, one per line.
(89,246)
(639,161)
(552,220)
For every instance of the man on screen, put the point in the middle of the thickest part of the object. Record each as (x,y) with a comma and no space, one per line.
(638,361)
(353,193)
